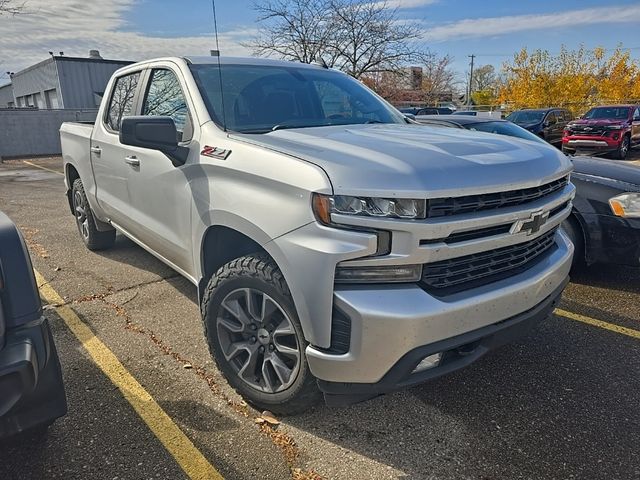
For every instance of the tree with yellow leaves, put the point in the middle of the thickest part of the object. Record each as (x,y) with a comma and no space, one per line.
(575,79)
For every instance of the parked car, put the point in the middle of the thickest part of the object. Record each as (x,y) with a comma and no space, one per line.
(547,123)
(604,225)
(31,391)
(480,124)
(328,254)
(612,129)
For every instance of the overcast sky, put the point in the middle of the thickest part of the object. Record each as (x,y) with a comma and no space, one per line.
(139,29)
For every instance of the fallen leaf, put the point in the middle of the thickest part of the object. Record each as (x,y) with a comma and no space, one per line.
(187,366)
(260,420)
(269,418)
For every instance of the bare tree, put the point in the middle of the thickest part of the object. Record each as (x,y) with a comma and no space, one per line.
(10,7)
(358,36)
(294,30)
(371,38)
(438,77)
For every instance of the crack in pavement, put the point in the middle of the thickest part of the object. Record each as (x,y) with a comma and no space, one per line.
(282,440)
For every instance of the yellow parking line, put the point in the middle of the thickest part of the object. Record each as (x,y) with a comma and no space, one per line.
(630,332)
(190,459)
(41,167)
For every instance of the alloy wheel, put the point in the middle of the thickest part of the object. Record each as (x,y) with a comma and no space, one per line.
(82,218)
(258,340)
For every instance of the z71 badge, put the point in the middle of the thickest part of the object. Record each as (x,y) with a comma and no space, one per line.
(215,152)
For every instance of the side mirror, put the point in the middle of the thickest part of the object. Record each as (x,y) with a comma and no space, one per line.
(155,133)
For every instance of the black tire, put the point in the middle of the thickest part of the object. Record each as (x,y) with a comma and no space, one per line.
(623,149)
(93,238)
(566,151)
(573,230)
(257,273)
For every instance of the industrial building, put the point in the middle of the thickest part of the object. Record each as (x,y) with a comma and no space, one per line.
(6,96)
(61,82)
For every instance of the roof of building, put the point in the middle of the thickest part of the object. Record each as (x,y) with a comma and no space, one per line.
(64,58)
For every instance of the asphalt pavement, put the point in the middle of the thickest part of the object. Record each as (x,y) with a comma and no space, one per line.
(562,403)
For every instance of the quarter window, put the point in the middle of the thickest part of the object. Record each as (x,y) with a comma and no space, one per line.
(165,98)
(121,104)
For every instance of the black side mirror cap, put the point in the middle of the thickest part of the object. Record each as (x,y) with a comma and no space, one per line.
(155,133)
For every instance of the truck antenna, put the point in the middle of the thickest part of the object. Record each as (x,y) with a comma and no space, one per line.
(216,53)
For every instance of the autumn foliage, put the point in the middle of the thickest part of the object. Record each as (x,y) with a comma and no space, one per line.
(575,79)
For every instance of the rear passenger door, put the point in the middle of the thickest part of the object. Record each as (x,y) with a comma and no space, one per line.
(108,155)
(160,193)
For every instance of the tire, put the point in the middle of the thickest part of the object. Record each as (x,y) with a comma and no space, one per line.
(623,148)
(566,151)
(246,339)
(93,238)
(573,230)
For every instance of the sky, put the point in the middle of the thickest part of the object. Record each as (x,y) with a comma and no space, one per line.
(493,30)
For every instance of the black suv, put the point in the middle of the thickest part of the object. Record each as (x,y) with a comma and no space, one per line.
(31,390)
(547,123)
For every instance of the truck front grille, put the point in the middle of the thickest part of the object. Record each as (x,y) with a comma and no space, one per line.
(587,130)
(453,275)
(440,207)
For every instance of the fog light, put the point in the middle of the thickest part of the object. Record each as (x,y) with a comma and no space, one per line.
(378,274)
(428,362)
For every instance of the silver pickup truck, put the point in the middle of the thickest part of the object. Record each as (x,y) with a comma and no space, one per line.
(338,248)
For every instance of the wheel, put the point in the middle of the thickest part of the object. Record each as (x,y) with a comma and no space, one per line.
(93,238)
(566,151)
(255,338)
(572,228)
(623,148)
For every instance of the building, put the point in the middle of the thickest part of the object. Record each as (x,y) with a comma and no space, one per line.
(6,96)
(64,82)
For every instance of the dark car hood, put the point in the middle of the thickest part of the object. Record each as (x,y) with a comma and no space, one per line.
(599,170)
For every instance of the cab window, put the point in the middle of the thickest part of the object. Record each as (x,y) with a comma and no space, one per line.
(165,98)
(121,104)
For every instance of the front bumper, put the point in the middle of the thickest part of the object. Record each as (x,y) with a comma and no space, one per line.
(390,321)
(457,352)
(591,144)
(31,389)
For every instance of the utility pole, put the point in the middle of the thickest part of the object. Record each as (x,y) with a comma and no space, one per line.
(472,57)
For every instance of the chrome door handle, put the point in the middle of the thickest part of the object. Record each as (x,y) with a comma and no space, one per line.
(97,150)
(132,160)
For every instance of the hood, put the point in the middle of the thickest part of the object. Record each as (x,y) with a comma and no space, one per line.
(597,121)
(530,125)
(600,170)
(421,161)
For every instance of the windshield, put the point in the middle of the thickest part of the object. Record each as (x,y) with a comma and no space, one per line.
(262,98)
(526,116)
(505,128)
(611,113)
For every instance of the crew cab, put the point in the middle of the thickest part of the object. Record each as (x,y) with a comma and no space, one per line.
(337,246)
(612,129)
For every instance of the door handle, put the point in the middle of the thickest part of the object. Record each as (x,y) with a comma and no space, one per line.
(132,160)
(97,150)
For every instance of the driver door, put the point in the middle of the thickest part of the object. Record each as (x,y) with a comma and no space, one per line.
(160,193)
(635,127)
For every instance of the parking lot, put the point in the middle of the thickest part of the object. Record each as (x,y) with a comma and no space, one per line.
(564,402)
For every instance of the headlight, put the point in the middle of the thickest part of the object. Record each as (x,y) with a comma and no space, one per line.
(626,205)
(325,205)
(615,127)
(378,274)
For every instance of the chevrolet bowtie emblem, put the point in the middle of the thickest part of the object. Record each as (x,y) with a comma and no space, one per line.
(532,225)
